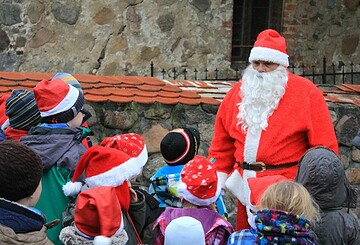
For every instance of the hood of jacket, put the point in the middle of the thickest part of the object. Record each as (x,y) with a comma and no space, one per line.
(323,175)
(56,146)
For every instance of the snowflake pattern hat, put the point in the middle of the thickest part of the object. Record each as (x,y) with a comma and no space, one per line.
(199,182)
(132,144)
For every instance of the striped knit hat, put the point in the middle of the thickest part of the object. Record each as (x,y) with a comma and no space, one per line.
(69,79)
(57,101)
(22,110)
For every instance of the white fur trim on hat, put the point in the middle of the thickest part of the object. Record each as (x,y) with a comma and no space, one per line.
(72,188)
(143,157)
(65,104)
(268,54)
(182,189)
(115,176)
(102,240)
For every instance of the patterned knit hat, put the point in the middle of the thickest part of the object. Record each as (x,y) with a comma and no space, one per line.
(69,79)
(270,46)
(98,214)
(57,101)
(180,146)
(199,182)
(103,166)
(132,144)
(22,110)
(20,170)
(184,230)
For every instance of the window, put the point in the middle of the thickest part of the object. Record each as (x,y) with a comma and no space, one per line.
(249,18)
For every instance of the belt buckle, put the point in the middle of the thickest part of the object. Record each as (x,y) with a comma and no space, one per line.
(262,165)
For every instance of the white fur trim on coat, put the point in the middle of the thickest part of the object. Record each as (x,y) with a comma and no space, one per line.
(268,54)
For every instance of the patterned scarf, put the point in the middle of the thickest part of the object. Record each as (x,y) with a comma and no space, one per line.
(280,227)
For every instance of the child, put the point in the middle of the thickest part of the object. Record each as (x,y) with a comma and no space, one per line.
(200,189)
(58,142)
(177,148)
(285,211)
(20,188)
(322,173)
(104,166)
(184,230)
(69,79)
(22,112)
(98,219)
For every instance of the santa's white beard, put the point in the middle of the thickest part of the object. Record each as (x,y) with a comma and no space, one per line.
(261,94)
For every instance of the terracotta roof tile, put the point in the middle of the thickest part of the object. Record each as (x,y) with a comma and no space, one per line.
(168,94)
(28,83)
(120,99)
(190,95)
(170,88)
(148,90)
(144,100)
(95,98)
(8,83)
(18,76)
(167,101)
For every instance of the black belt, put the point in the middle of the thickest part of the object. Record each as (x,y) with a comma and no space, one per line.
(261,167)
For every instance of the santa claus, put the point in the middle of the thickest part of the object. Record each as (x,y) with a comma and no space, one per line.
(266,122)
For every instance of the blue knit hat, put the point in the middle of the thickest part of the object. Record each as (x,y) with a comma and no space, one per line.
(69,79)
(22,110)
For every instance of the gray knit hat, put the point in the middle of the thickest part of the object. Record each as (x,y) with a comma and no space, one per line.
(20,170)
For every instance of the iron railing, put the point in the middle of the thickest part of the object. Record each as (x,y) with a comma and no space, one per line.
(319,74)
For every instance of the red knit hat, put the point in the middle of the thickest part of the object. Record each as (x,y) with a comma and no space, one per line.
(103,166)
(270,46)
(57,101)
(132,144)
(199,182)
(98,214)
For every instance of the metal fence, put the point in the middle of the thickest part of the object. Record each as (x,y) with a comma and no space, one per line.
(323,73)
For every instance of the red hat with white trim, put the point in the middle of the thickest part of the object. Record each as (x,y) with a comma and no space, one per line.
(57,101)
(98,214)
(270,46)
(199,182)
(103,166)
(132,144)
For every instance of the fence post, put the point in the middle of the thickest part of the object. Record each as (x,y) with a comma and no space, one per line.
(151,69)
(324,71)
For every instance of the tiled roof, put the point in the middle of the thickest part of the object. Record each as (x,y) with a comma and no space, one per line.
(147,90)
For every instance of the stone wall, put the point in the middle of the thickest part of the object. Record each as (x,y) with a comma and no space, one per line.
(122,37)
(155,120)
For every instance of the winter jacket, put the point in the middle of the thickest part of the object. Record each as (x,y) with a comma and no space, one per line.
(275,227)
(60,149)
(323,175)
(217,229)
(134,219)
(21,225)
(69,236)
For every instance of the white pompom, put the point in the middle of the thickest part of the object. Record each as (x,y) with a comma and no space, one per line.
(181,188)
(102,240)
(72,188)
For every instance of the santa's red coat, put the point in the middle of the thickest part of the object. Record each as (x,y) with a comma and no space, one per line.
(301,121)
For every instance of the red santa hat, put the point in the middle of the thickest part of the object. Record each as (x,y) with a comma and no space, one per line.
(57,101)
(98,214)
(103,166)
(132,144)
(270,46)
(199,182)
